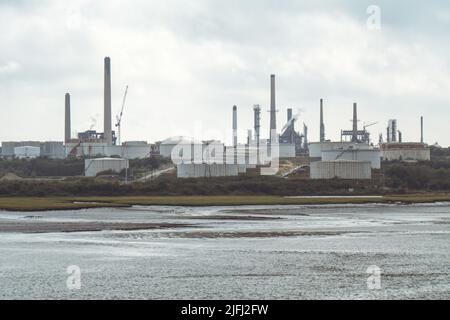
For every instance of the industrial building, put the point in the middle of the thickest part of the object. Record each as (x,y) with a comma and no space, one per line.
(410,151)
(91,143)
(355,135)
(92,167)
(347,158)
(27,152)
(355,170)
(291,142)
(351,158)
(49,149)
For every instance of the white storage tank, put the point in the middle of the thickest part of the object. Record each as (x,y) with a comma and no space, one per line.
(371,155)
(203,170)
(287,150)
(316,148)
(52,149)
(92,167)
(192,147)
(27,152)
(406,151)
(341,169)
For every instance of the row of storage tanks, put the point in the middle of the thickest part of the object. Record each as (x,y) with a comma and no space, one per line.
(343,160)
(32,149)
(57,150)
(349,160)
(214,159)
(286,150)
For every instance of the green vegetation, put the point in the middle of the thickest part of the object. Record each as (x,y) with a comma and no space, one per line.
(431,175)
(170,185)
(48,203)
(45,167)
(141,167)
(42,167)
(440,153)
(68,203)
(395,178)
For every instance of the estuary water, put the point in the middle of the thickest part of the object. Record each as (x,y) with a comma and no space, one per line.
(246,252)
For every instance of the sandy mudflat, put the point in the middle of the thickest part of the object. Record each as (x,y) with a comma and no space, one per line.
(232,252)
(44,227)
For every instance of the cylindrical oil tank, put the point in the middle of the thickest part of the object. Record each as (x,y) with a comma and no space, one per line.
(341,170)
(92,167)
(27,152)
(371,155)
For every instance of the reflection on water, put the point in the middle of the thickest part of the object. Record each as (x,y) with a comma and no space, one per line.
(249,252)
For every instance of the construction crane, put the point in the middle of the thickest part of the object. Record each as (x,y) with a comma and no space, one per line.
(369,125)
(366,133)
(119,117)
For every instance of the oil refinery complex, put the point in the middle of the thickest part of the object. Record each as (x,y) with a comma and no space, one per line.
(285,152)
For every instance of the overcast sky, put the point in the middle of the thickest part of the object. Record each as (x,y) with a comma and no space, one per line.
(187,62)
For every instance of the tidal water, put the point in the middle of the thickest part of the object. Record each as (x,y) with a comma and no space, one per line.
(247,252)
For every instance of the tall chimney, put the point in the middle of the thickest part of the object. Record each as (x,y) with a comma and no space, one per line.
(273,112)
(67,128)
(107,131)
(305,137)
(234,126)
(421,129)
(355,123)
(257,125)
(289,114)
(322,125)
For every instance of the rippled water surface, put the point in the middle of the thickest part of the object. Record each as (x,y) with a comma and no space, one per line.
(249,252)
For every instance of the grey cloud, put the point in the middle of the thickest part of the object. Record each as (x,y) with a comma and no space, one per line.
(192,60)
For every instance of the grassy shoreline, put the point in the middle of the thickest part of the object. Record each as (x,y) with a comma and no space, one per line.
(71,203)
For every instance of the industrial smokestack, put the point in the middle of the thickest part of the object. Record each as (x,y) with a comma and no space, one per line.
(234,126)
(257,125)
(273,112)
(249,137)
(400,138)
(355,123)
(67,128)
(305,137)
(421,129)
(392,130)
(289,114)
(107,131)
(322,125)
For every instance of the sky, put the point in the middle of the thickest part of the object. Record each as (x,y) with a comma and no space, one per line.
(187,62)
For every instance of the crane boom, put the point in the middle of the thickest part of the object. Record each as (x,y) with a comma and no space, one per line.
(369,125)
(119,117)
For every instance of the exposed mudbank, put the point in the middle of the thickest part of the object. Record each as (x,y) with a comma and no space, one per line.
(48,227)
